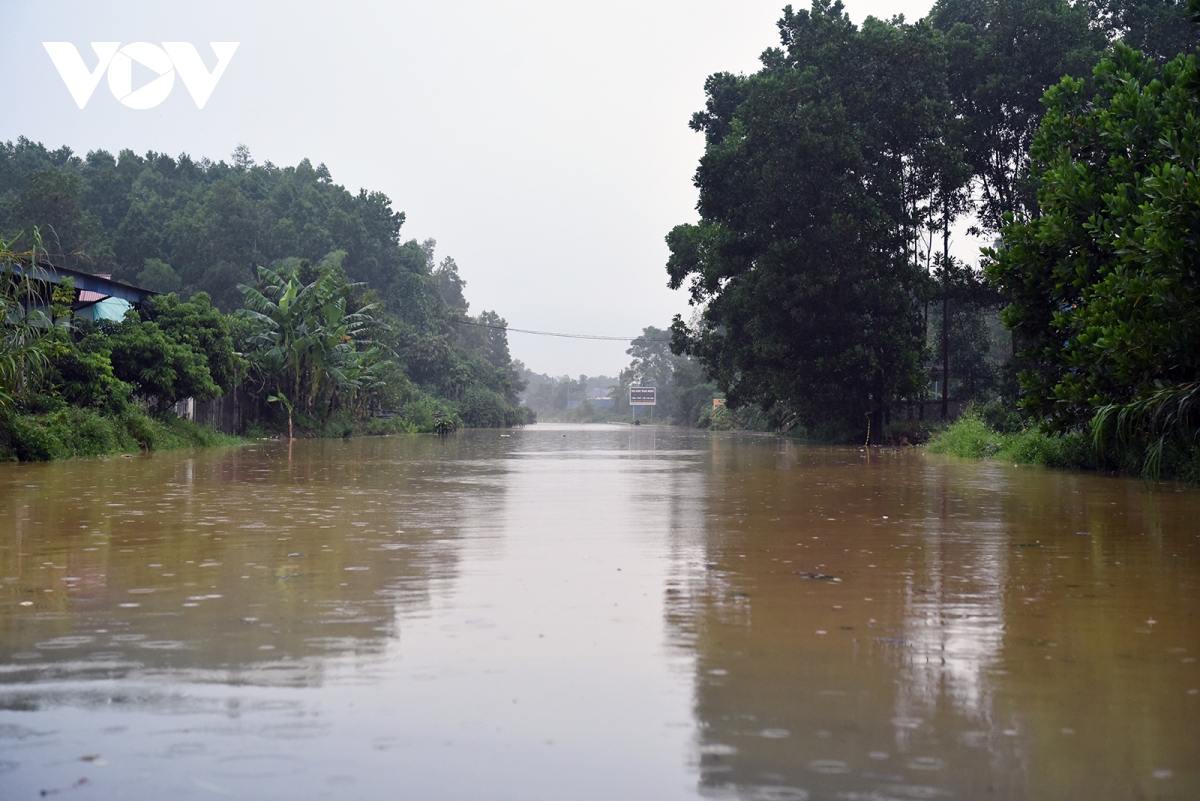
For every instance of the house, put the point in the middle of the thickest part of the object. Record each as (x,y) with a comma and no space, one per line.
(97,297)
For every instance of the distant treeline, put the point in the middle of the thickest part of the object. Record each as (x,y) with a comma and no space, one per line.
(336,316)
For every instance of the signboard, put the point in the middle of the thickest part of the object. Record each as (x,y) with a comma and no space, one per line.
(642,396)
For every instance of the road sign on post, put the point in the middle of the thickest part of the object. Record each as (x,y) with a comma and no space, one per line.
(643,396)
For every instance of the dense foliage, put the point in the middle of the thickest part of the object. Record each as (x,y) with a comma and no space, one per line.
(832,179)
(342,320)
(1105,280)
(816,175)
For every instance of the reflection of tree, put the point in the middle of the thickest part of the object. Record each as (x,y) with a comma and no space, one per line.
(235,565)
(999,655)
(895,696)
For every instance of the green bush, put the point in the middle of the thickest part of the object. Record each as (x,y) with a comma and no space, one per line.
(84,432)
(483,408)
(968,436)
(971,437)
(28,441)
(1003,416)
(78,433)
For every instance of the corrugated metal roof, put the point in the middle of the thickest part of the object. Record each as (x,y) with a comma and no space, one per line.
(87,296)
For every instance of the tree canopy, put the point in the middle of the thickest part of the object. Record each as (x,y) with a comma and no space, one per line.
(1104,280)
(810,188)
(228,235)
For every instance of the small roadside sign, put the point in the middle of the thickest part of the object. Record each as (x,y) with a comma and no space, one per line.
(643,396)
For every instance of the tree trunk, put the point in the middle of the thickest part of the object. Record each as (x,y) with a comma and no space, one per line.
(946,312)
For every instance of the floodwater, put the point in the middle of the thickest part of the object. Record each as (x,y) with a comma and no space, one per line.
(594,612)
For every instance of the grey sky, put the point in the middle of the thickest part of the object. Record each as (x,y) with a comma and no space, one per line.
(544,145)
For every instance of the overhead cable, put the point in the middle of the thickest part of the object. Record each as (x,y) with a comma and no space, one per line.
(555,334)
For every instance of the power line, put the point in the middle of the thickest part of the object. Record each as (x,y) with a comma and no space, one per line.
(555,334)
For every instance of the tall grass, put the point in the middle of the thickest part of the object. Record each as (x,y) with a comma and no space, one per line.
(971,437)
(73,433)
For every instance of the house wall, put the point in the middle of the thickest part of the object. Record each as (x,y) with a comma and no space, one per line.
(107,309)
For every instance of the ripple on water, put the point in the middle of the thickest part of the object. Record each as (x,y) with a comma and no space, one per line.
(768,792)
(64,642)
(162,645)
(718,749)
(258,766)
(926,763)
(184,750)
(828,766)
(775,734)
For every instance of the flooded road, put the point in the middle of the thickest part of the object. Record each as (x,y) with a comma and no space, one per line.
(594,612)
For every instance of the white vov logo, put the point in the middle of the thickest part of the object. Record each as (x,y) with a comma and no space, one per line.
(165,61)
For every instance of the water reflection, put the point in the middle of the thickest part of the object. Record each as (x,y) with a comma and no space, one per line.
(594,612)
(911,627)
(230,566)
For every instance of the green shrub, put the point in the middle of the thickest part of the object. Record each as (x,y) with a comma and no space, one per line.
(1003,416)
(84,432)
(78,433)
(971,437)
(30,441)
(483,408)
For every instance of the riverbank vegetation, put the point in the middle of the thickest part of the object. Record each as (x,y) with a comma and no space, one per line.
(276,284)
(832,182)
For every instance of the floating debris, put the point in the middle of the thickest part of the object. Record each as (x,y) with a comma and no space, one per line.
(816,576)
(57,790)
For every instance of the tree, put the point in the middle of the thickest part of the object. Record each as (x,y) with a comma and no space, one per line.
(310,349)
(803,257)
(202,328)
(1003,55)
(1158,28)
(158,275)
(161,369)
(1103,283)
(198,226)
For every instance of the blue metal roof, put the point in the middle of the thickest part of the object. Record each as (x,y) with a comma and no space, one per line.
(44,271)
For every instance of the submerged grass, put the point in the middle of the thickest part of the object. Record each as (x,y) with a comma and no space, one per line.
(73,433)
(972,437)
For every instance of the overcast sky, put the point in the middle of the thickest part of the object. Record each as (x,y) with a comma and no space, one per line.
(544,144)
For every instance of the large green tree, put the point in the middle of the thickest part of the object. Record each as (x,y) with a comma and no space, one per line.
(803,258)
(1002,56)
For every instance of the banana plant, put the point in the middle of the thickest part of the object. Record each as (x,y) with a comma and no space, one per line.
(306,341)
(27,335)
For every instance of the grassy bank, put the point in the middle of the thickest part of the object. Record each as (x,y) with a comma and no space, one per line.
(972,437)
(73,433)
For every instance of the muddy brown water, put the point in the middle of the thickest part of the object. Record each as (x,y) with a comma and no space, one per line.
(594,612)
